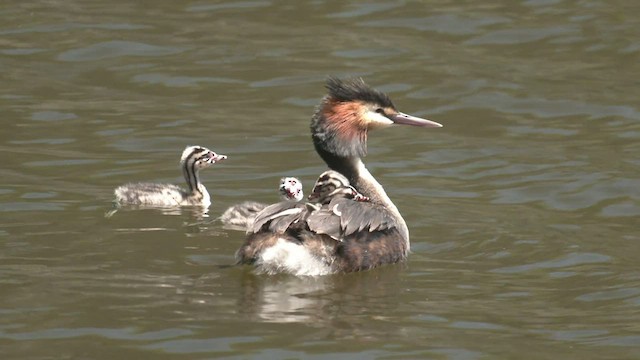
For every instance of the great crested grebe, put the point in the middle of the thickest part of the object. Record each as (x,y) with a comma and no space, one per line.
(372,232)
(194,158)
(242,215)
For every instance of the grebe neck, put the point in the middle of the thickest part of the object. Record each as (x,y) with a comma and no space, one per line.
(192,177)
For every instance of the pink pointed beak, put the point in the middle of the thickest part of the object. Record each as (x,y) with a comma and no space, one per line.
(406,119)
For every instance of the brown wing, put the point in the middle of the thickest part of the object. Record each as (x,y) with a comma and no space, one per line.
(279,217)
(343,217)
(324,221)
(357,216)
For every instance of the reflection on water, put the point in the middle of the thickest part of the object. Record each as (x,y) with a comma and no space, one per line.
(522,209)
(286,299)
(197,212)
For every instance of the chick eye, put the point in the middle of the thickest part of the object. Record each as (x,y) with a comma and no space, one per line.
(380,111)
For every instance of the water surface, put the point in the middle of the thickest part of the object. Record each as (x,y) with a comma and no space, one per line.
(523,209)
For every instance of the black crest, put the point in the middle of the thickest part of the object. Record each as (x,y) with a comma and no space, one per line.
(356,89)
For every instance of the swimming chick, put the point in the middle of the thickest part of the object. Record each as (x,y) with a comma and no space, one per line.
(194,159)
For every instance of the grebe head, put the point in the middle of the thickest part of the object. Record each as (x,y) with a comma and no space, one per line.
(203,157)
(291,189)
(332,184)
(348,111)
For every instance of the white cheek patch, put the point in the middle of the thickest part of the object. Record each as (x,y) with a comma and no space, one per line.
(377,120)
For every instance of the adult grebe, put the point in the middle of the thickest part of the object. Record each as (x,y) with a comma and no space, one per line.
(241,215)
(373,232)
(194,158)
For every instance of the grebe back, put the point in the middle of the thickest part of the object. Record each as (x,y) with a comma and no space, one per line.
(330,192)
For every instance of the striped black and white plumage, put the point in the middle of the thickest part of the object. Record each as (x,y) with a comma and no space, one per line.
(331,184)
(353,235)
(242,215)
(194,159)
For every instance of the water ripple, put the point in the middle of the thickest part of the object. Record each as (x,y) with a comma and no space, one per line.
(52,116)
(119,334)
(116,49)
(446,23)
(191,346)
(541,107)
(31,206)
(72,26)
(609,294)
(181,81)
(231,5)
(569,260)
(578,192)
(521,35)
(363,9)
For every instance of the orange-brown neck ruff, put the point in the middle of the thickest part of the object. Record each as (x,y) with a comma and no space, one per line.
(338,128)
(346,121)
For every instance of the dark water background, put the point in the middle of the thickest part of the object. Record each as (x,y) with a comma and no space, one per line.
(524,209)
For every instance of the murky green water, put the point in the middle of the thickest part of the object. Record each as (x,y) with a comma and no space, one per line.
(524,209)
